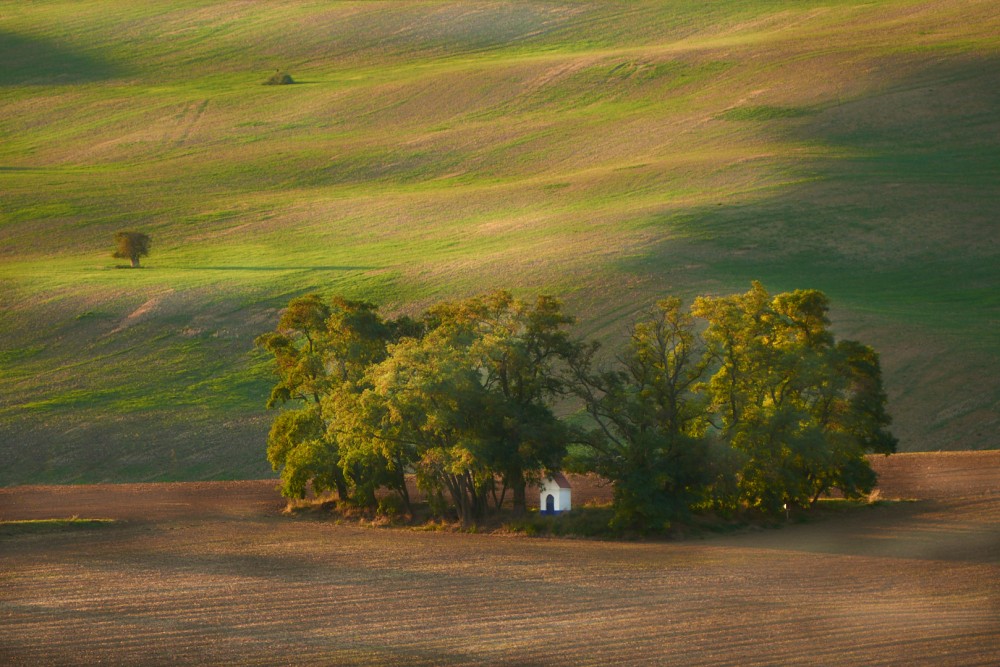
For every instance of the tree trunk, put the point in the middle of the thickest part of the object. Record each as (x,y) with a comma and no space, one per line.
(135,262)
(456,487)
(520,502)
(404,493)
(341,484)
(498,499)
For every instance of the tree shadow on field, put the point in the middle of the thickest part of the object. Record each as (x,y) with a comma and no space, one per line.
(925,530)
(899,210)
(39,61)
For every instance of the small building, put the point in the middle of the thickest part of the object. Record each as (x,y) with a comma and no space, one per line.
(555,495)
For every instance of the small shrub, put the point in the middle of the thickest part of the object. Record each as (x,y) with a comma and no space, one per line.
(593,522)
(529,528)
(438,506)
(279,79)
(132,246)
(390,506)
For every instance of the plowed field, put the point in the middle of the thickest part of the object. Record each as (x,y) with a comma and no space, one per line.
(212,573)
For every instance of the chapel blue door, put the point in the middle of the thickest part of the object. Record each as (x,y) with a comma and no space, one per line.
(550,503)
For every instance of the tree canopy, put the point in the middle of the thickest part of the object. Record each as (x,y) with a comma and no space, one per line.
(801,408)
(132,246)
(649,422)
(742,402)
(460,398)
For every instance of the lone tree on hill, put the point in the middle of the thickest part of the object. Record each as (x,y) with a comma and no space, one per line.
(132,246)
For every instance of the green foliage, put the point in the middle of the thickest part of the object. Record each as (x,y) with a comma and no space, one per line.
(650,425)
(427,407)
(465,405)
(321,352)
(297,348)
(515,349)
(762,410)
(461,399)
(299,448)
(132,246)
(803,409)
(279,79)
(391,506)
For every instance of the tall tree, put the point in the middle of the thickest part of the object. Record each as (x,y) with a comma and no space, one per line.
(649,435)
(322,350)
(467,404)
(132,246)
(298,345)
(424,407)
(518,349)
(802,408)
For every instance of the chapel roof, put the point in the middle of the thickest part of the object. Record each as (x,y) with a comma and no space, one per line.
(560,480)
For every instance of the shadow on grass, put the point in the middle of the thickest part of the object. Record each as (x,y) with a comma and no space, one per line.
(892,215)
(38,61)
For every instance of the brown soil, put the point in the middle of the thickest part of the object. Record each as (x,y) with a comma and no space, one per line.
(208,573)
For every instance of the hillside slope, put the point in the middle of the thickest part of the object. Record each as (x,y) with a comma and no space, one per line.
(607,152)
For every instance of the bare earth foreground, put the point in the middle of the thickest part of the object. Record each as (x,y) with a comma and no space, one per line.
(212,573)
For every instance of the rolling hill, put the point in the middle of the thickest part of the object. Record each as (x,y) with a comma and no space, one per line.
(607,152)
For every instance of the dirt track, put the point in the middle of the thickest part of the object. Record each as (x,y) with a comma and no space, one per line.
(211,573)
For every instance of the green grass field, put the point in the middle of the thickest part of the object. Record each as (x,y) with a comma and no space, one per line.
(608,152)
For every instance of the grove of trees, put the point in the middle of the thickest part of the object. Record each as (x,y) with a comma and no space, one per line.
(739,402)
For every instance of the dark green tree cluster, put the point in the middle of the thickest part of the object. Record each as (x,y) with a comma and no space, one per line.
(743,401)
(746,401)
(650,420)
